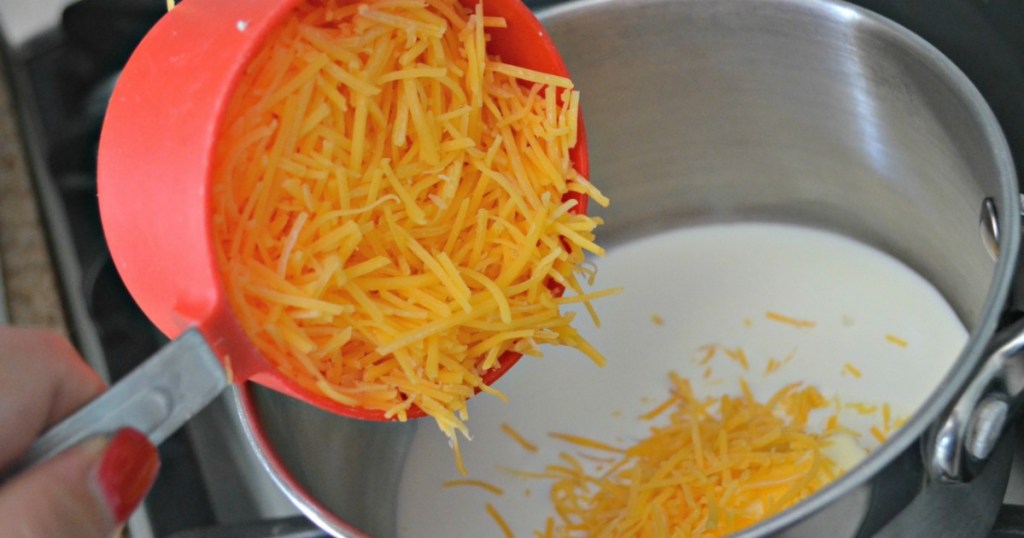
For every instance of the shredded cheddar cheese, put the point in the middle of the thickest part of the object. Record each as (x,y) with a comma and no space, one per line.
(893,339)
(585,442)
(718,465)
(506,531)
(709,466)
(518,438)
(475,483)
(394,209)
(739,356)
(709,353)
(782,318)
(862,408)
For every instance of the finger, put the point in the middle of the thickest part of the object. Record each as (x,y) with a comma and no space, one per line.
(87,491)
(42,380)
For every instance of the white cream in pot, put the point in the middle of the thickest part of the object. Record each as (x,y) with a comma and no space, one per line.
(706,285)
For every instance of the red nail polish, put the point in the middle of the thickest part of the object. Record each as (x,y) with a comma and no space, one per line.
(126,471)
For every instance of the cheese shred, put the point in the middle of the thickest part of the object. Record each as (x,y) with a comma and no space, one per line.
(782,318)
(893,339)
(475,483)
(518,438)
(395,211)
(506,531)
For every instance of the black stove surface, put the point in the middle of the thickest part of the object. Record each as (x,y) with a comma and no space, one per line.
(63,80)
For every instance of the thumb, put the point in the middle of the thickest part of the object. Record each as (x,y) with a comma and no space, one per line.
(87,491)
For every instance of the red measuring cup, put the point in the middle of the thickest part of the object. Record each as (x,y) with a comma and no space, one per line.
(154,179)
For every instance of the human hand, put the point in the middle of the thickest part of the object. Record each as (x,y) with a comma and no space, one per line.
(87,491)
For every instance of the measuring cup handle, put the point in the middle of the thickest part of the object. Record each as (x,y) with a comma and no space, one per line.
(156,398)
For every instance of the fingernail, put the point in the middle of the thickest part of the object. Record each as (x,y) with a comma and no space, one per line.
(126,471)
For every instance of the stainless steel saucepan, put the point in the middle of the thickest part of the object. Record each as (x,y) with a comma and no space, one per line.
(808,111)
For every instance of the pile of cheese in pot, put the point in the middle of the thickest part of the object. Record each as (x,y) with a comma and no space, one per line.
(395,210)
(716,466)
(708,467)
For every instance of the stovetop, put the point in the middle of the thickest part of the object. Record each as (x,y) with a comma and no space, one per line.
(211,485)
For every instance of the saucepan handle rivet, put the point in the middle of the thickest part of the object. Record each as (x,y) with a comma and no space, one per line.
(986,426)
(989,221)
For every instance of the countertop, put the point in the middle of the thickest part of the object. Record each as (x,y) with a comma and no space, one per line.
(29,285)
